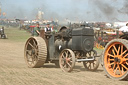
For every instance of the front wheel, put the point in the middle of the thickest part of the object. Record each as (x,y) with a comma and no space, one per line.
(67,60)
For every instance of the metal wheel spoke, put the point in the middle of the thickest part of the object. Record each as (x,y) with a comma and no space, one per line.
(30,44)
(123,52)
(119,69)
(62,55)
(28,54)
(63,58)
(93,64)
(115,70)
(126,55)
(66,54)
(32,61)
(114,67)
(87,62)
(89,66)
(110,55)
(89,53)
(110,60)
(118,50)
(126,63)
(28,59)
(36,58)
(64,65)
(126,59)
(113,52)
(70,58)
(36,54)
(124,66)
(28,50)
(115,48)
(35,44)
(110,64)
(69,65)
(70,61)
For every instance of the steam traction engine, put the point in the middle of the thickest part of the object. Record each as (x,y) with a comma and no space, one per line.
(63,48)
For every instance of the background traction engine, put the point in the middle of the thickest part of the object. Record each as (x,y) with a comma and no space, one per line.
(63,48)
(2,34)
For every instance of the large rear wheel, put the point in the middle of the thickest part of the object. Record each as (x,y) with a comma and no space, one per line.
(35,52)
(115,59)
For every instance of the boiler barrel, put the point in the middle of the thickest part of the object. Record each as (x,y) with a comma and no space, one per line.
(82,39)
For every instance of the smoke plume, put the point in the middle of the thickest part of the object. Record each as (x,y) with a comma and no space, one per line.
(73,10)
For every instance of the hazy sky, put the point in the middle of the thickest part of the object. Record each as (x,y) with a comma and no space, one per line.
(82,10)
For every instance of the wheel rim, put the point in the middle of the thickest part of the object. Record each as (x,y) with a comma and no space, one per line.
(67,60)
(116,59)
(91,65)
(31,52)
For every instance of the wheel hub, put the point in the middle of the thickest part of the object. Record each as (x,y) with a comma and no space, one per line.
(67,60)
(33,51)
(117,60)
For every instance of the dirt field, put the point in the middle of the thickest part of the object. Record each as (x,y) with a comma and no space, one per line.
(14,71)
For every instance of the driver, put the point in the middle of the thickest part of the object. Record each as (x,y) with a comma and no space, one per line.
(48,28)
(36,30)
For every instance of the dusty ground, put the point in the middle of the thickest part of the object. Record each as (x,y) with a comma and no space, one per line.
(14,71)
